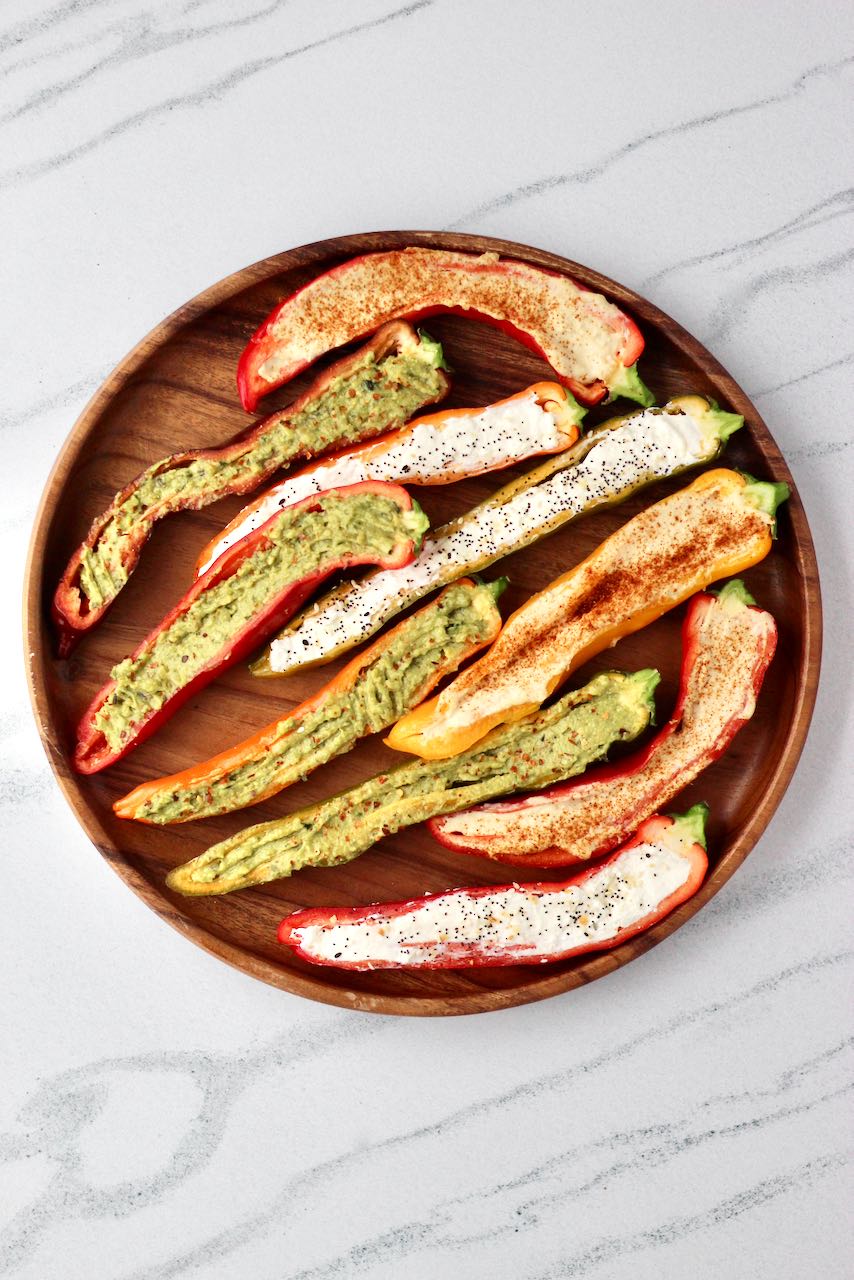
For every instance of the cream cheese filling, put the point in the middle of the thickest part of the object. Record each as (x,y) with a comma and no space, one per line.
(539,924)
(650,444)
(469,443)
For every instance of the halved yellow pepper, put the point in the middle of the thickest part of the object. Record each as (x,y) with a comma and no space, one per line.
(719,525)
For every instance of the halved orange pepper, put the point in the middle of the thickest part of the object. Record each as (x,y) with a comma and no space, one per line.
(397,670)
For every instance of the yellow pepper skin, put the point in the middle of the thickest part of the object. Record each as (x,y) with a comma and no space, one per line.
(719,525)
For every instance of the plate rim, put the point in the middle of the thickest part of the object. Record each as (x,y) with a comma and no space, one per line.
(597,964)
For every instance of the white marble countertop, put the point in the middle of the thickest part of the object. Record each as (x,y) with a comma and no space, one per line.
(162,1115)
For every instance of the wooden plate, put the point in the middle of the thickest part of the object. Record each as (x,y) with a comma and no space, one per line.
(176,390)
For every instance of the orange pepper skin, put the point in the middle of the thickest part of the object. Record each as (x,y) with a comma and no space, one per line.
(207,774)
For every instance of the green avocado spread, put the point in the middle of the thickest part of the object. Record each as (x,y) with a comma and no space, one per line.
(301,541)
(543,748)
(375,395)
(396,673)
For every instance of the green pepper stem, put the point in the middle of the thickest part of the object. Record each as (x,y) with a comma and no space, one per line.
(646,681)
(575,412)
(416,522)
(725,424)
(766,495)
(498,587)
(627,382)
(736,591)
(432,350)
(692,825)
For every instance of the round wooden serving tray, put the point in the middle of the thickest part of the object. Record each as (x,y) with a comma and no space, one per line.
(176,390)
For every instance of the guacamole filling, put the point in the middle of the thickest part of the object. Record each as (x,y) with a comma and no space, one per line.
(551,745)
(395,678)
(300,542)
(376,395)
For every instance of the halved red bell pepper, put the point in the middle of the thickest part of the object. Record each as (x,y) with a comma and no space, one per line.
(249,592)
(661,867)
(727,645)
(591,344)
(376,389)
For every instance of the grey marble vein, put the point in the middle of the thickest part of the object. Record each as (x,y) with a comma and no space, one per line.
(754,890)
(55,1117)
(19,787)
(818,449)
(312,1178)
(677,1228)
(838,205)
(210,92)
(840,363)
(553,182)
(74,391)
(640,1149)
(732,309)
(646,1146)
(54,50)
(51,24)
(47,21)
(137,38)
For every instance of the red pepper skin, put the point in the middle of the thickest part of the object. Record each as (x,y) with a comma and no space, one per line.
(72,617)
(252,387)
(462,955)
(596,786)
(94,753)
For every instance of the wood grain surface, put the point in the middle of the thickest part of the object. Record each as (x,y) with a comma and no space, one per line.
(176,390)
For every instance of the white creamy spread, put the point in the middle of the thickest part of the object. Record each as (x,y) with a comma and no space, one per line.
(469,700)
(646,445)
(463,444)
(540,925)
